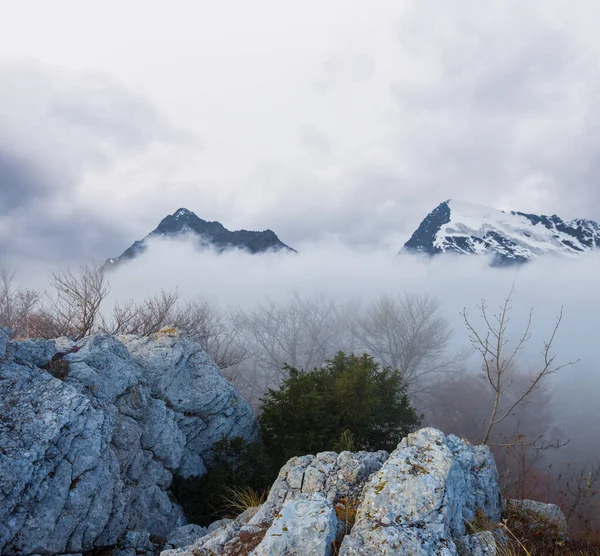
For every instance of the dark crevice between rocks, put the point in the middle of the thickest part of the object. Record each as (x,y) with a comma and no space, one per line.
(58,366)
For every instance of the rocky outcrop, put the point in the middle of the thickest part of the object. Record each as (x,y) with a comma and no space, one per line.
(414,501)
(422,497)
(539,517)
(92,432)
(336,476)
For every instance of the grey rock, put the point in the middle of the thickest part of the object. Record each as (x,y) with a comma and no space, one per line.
(90,455)
(139,540)
(217,537)
(307,525)
(186,535)
(215,540)
(545,515)
(334,475)
(417,503)
(4,341)
(206,404)
(124,552)
(479,544)
(247,515)
(219,524)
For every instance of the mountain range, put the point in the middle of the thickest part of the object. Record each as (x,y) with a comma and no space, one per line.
(452,227)
(509,237)
(211,234)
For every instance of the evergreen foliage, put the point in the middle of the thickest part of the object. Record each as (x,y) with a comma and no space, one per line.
(350,404)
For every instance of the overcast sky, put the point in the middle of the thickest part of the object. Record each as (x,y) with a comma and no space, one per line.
(316,119)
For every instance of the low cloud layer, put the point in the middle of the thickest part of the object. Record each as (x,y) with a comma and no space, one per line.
(237,279)
(241,279)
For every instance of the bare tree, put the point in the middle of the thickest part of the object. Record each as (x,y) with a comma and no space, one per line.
(499,362)
(213,329)
(7,296)
(17,305)
(77,300)
(303,332)
(406,333)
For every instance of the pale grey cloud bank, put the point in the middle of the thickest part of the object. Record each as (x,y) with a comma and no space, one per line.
(321,121)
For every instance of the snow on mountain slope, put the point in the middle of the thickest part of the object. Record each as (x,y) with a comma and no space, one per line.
(465,228)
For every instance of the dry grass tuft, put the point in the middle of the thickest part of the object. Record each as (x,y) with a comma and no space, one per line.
(345,510)
(239,499)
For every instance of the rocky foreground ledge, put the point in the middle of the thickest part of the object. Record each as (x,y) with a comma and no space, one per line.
(419,500)
(92,432)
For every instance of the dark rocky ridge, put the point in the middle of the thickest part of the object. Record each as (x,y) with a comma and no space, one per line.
(211,234)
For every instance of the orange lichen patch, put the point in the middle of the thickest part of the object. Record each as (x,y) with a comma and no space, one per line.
(169,331)
(380,487)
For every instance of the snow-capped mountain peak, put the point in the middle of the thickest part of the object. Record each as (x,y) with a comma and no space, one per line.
(466,228)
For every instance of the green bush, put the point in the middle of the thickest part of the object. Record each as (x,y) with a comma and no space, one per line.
(350,404)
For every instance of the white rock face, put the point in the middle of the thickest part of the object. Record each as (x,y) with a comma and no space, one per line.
(335,476)
(91,454)
(308,525)
(417,503)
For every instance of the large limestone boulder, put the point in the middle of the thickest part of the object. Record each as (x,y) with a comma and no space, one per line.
(336,476)
(421,498)
(92,432)
(415,501)
(330,476)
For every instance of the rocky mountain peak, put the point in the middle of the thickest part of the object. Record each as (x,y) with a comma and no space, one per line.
(509,237)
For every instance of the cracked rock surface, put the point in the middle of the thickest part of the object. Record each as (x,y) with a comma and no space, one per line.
(421,498)
(92,432)
(414,501)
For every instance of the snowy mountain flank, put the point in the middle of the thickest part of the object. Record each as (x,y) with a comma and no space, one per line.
(211,234)
(510,237)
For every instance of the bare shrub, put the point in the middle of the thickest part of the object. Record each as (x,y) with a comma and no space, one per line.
(198,318)
(77,298)
(17,305)
(303,332)
(499,363)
